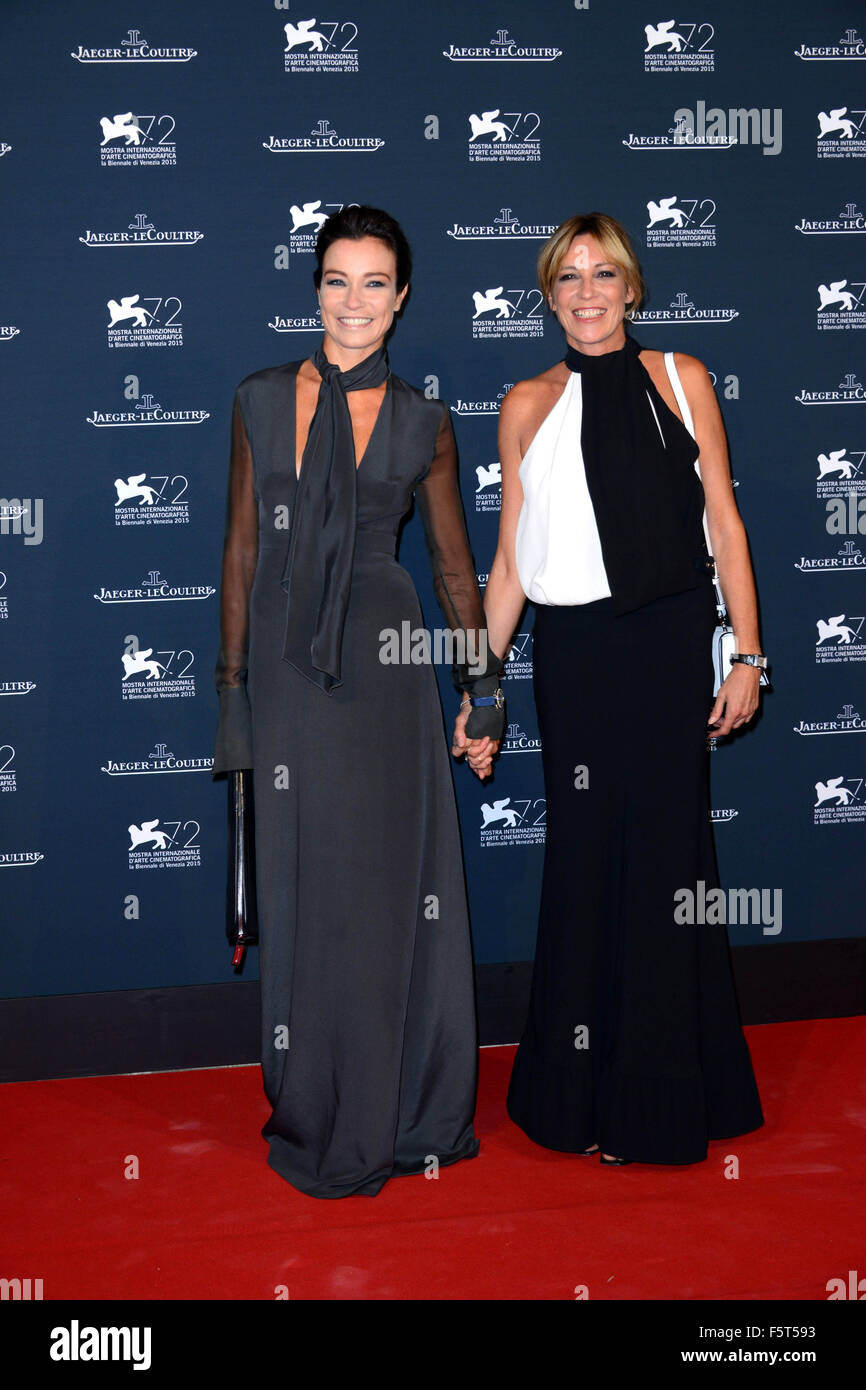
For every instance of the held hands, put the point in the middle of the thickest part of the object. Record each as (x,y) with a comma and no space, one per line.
(479,751)
(736,701)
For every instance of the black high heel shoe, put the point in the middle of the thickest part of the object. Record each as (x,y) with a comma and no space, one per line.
(586,1153)
(614,1162)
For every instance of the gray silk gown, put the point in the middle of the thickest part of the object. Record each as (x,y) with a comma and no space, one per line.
(369,1054)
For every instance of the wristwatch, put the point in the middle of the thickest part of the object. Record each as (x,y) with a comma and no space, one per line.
(497,699)
(750,659)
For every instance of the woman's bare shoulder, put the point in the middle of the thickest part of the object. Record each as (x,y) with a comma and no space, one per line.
(690,366)
(691,371)
(685,364)
(525,398)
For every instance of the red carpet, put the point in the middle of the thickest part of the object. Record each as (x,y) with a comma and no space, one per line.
(206,1217)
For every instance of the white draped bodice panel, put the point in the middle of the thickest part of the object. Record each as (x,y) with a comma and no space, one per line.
(557,546)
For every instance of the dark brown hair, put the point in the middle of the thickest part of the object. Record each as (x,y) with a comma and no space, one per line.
(357,221)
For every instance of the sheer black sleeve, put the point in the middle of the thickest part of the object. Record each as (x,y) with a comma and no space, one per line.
(234,743)
(441,508)
(454,579)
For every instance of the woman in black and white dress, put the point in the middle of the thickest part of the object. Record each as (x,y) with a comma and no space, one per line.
(633,1045)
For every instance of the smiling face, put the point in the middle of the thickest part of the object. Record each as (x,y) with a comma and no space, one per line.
(589,296)
(358,297)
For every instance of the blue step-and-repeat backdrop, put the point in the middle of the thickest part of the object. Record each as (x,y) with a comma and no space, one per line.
(164,171)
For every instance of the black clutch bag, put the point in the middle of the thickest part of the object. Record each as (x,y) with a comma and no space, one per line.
(242,928)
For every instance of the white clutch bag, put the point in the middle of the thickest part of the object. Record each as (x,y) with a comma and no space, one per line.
(724,641)
(724,647)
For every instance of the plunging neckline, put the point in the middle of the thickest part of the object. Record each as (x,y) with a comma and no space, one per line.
(358,462)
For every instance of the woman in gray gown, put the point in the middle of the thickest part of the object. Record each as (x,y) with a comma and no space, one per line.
(368,1025)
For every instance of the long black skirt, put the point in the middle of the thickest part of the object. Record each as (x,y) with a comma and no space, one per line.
(633,1039)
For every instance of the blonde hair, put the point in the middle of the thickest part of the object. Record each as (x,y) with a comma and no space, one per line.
(614,241)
